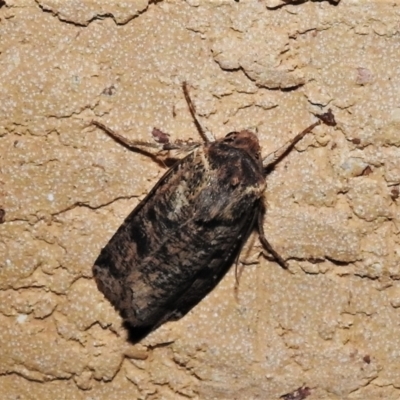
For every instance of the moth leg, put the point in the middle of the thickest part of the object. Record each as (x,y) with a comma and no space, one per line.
(207,136)
(132,144)
(161,141)
(248,231)
(271,159)
(265,242)
(237,272)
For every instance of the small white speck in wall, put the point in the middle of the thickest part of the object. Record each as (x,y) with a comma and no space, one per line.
(50,197)
(21,318)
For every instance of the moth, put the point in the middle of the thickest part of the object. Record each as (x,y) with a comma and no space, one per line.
(179,242)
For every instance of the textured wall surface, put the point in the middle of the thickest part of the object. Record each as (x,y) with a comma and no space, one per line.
(332,325)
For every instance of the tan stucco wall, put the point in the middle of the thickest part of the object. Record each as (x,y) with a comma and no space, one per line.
(332,325)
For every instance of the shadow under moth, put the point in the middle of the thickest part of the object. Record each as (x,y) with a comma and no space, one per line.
(181,239)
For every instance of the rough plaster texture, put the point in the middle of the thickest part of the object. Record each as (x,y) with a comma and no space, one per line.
(333,324)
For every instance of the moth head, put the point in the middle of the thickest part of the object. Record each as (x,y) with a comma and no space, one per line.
(246,141)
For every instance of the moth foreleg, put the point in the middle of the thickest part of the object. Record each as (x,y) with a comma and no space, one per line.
(158,148)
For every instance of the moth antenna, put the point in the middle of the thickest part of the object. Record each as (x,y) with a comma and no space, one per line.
(327,118)
(277,155)
(208,137)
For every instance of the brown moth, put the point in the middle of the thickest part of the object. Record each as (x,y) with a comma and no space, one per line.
(178,243)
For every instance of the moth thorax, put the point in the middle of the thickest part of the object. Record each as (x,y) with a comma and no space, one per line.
(246,141)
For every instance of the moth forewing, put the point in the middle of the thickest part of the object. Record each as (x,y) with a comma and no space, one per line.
(182,238)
